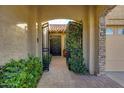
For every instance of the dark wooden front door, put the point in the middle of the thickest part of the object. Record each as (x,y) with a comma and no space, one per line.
(55,45)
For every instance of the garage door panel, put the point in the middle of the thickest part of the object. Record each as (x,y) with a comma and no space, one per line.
(115,53)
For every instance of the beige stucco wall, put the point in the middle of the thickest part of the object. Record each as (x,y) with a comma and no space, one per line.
(13,39)
(62,12)
(114,51)
(32,32)
(91,39)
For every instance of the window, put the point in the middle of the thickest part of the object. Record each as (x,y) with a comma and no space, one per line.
(121,31)
(109,31)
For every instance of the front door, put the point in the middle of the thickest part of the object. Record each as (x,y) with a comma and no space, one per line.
(55,45)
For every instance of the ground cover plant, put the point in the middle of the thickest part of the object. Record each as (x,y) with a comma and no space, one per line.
(23,73)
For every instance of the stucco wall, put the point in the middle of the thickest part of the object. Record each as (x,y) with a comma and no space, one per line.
(13,39)
(32,32)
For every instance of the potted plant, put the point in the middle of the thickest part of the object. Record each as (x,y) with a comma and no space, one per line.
(46,62)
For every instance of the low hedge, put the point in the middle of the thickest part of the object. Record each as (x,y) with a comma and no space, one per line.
(23,73)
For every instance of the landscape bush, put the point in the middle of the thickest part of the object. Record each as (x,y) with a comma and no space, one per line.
(75,60)
(46,61)
(23,73)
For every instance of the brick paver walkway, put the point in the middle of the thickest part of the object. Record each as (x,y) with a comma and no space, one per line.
(60,77)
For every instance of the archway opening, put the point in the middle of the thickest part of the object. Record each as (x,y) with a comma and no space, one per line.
(53,39)
(63,37)
(57,28)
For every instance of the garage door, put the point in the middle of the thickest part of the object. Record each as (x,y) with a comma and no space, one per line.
(115,49)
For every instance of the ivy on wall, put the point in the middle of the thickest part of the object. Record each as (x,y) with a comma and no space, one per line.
(74,48)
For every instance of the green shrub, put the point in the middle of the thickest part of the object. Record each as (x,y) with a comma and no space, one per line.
(21,73)
(74,47)
(46,61)
(50,57)
(77,65)
(47,58)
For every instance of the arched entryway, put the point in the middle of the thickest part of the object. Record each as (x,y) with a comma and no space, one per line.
(53,32)
(93,44)
(60,76)
(53,38)
(62,37)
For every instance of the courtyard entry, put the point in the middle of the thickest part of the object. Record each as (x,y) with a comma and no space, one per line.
(60,76)
(64,38)
(53,40)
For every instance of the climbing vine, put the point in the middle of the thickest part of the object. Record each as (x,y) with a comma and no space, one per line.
(74,48)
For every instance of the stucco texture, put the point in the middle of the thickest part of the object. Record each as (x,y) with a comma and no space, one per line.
(13,39)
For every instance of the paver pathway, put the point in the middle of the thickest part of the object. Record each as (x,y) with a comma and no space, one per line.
(60,77)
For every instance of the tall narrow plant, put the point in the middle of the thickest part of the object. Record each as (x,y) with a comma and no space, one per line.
(74,48)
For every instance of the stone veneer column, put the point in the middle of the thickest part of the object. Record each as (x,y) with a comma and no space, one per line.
(101,46)
(100,41)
